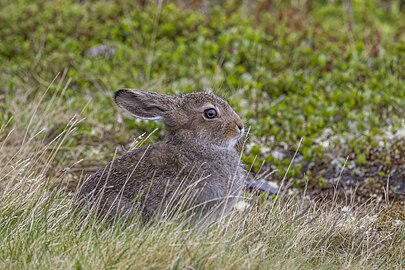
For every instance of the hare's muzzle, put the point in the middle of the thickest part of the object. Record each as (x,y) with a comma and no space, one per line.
(239,128)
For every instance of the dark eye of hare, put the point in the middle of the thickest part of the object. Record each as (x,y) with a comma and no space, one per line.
(210,113)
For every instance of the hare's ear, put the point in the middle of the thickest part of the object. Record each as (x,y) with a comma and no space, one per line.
(144,104)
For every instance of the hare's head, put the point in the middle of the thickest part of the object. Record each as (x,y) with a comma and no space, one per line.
(196,118)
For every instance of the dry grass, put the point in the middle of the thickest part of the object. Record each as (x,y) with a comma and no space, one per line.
(38,228)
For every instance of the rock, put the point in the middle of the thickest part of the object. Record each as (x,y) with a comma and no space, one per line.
(100,50)
(261,185)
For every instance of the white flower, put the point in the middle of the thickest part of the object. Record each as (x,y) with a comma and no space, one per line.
(241,206)
(325,144)
(372,218)
(397,223)
(278,154)
(346,209)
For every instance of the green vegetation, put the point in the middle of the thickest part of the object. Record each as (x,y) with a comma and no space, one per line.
(292,73)
(331,73)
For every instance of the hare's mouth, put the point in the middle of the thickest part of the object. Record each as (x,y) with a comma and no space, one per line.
(232,143)
(241,133)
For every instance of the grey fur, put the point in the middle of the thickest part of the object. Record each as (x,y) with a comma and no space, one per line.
(195,170)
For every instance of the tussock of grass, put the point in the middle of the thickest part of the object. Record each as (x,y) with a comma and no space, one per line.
(38,228)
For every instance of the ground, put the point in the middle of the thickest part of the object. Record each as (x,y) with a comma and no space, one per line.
(320,86)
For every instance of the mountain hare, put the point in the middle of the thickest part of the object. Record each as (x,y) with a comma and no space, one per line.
(195,170)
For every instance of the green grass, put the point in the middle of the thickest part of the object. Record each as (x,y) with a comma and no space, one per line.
(332,77)
(291,73)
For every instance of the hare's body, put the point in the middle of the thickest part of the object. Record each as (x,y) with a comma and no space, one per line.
(144,180)
(185,172)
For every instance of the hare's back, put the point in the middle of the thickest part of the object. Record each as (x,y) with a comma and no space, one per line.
(141,168)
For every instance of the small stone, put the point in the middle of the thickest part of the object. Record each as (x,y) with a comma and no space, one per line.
(100,50)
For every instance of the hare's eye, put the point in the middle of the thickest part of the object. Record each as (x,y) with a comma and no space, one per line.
(210,113)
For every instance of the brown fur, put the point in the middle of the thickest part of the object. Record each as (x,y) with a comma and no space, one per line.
(196,169)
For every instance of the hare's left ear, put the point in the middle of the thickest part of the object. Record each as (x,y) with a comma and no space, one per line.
(144,104)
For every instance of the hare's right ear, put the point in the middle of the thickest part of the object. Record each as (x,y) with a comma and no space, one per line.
(144,104)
